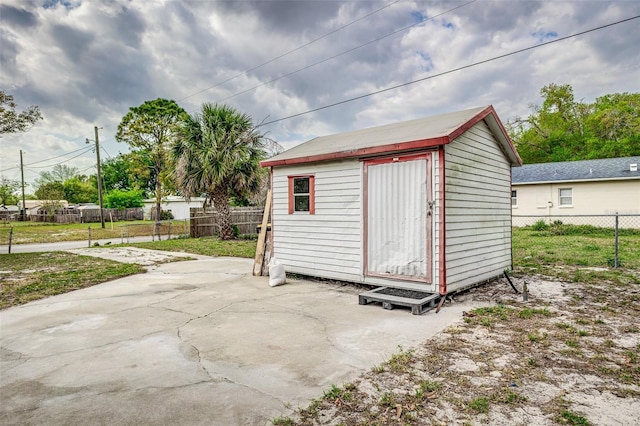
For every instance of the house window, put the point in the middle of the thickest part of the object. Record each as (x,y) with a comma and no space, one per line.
(302,194)
(514,198)
(565,196)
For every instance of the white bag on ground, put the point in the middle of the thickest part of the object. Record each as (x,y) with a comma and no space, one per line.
(277,275)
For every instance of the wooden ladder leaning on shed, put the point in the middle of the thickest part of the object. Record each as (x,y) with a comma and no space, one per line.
(258,263)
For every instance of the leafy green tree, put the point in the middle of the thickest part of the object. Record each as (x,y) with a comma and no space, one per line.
(80,189)
(59,173)
(152,127)
(8,189)
(218,153)
(50,191)
(119,199)
(563,129)
(614,126)
(12,122)
(133,170)
(116,174)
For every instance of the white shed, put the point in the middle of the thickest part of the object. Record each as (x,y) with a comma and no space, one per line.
(419,205)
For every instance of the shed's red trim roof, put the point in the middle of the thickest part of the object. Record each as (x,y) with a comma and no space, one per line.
(487,113)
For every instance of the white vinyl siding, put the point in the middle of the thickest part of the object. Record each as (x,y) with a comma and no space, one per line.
(478,208)
(435,228)
(329,243)
(588,198)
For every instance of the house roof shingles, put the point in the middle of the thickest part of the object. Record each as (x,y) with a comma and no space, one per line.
(587,170)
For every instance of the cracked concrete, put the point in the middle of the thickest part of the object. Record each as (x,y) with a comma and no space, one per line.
(195,342)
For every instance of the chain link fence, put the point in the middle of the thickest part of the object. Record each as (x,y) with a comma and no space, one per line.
(92,234)
(582,240)
(164,229)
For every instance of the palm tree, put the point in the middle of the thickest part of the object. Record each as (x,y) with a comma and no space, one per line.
(217,153)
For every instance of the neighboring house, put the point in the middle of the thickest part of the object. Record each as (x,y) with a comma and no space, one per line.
(9,212)
(36,206)
(590,187)
(179,207)
(422,204)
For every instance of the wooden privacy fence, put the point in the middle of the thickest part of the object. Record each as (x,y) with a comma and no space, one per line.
(246,219)
(87,215)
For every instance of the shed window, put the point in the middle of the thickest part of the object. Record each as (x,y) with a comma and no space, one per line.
(514,198)
(301,194)
(565,196)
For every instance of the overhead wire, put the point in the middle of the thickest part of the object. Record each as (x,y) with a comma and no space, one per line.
(102,148)
(291,51)
(48,159)
(58,156)
(423,20)
(61,162)
(447,72)
(90,167)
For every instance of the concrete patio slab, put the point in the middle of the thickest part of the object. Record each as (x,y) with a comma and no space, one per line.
(194,342)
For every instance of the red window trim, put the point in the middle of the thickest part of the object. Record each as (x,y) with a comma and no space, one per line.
(312,193)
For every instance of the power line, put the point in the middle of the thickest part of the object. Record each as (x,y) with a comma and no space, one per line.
(447,72)
(106,152)
(290,51)
(10,168)
(42,161)
(425,19)
(61,162)
(53,158)
(88,168)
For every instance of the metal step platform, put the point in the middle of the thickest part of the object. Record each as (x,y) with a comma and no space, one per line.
(419,301)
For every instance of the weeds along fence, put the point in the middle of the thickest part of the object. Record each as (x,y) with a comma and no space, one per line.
(130,232)
(245,221)
(165,229)
(589,240)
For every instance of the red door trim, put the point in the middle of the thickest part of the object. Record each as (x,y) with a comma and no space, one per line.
(396,159)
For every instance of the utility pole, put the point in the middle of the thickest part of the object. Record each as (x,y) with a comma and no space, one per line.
(23,211)
(97,141)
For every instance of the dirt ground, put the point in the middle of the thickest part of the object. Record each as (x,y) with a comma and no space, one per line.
(142,257)
(568,355)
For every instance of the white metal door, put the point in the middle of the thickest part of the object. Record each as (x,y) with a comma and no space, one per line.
(397,223)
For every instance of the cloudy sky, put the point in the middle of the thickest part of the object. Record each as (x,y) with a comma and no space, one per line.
(85,62)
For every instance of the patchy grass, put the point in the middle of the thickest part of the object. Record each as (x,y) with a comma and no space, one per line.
(30,276)
(510,363)
(204,246)
(566,252)
(282,421)
(40,232)
(480,405)
(569,418)
(581,340)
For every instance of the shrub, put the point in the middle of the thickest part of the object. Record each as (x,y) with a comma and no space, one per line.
(166,215)
(540,225)
(118,199)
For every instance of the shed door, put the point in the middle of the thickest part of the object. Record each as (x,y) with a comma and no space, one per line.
(397,222)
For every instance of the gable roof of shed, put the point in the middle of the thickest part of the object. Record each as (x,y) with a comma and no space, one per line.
(404,136)
(566,171)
